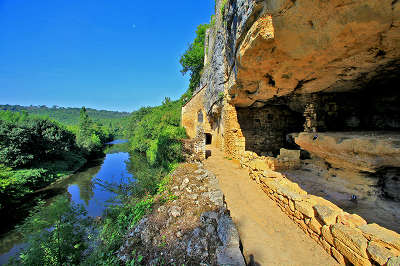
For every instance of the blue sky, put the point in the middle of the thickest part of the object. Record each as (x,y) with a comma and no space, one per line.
(104,54)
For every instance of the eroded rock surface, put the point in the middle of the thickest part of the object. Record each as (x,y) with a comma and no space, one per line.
(280,47)
(355,150)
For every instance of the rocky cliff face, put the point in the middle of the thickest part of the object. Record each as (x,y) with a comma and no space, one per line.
(333,66)
(317,76)
(283,47)
(279,47)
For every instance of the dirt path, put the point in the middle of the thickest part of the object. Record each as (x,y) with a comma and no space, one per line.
(268,236)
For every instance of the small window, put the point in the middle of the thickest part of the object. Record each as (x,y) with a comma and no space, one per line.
(200,117)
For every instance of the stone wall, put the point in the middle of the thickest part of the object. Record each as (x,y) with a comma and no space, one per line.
(192,111)
(347,237)
(265,128)
(234,141)
(362,110)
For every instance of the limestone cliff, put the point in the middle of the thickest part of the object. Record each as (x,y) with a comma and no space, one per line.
(278,47)
(289,66)
(306,92)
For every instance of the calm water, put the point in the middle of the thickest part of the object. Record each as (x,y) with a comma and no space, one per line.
(82,188)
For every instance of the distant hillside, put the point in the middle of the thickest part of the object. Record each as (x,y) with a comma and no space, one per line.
(67,116)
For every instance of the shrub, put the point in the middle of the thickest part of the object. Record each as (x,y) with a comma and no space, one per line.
(55,234)
(157,134)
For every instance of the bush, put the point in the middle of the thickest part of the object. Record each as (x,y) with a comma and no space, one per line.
(15,184)
(55,234)
(31,140)
(157,133)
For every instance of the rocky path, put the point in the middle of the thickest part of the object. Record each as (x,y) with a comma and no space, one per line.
(268,236)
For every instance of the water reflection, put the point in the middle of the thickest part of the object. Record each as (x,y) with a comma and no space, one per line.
(83,188)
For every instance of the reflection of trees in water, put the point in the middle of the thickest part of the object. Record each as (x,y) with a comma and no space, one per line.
(9,240)
(115,148)
(84,180)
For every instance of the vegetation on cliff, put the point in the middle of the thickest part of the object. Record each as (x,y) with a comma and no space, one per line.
(192,60)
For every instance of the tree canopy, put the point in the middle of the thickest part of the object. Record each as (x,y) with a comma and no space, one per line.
(192,60)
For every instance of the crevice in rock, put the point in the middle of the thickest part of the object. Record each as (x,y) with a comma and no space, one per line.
(380,53)
(271,80)
(301,83)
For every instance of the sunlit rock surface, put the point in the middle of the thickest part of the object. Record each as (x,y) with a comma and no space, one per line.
(310,46)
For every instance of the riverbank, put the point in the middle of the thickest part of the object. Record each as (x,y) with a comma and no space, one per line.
(79,187)
(18,208)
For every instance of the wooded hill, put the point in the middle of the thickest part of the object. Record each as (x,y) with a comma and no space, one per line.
(66,115)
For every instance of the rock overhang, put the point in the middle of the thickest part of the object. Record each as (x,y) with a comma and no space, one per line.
(306,47)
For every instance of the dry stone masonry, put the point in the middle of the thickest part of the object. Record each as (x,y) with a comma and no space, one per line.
(311,108)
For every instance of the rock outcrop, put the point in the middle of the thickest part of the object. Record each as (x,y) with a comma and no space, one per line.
(280,47)
(194,229)
(359,151)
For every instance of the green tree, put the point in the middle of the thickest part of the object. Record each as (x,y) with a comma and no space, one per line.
(90,137)
(85,123)
(156,131)
(192,60)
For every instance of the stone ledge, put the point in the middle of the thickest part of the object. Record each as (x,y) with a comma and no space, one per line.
(344,236)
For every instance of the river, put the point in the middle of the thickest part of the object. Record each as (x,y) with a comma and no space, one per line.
(82,188)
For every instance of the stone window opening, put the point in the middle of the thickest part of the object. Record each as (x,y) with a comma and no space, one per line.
(200,117)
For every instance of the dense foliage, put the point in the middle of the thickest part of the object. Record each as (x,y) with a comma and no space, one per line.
(192,60)
(35,151)
(55,235)
(25,140)
(114,121)
(156,131)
